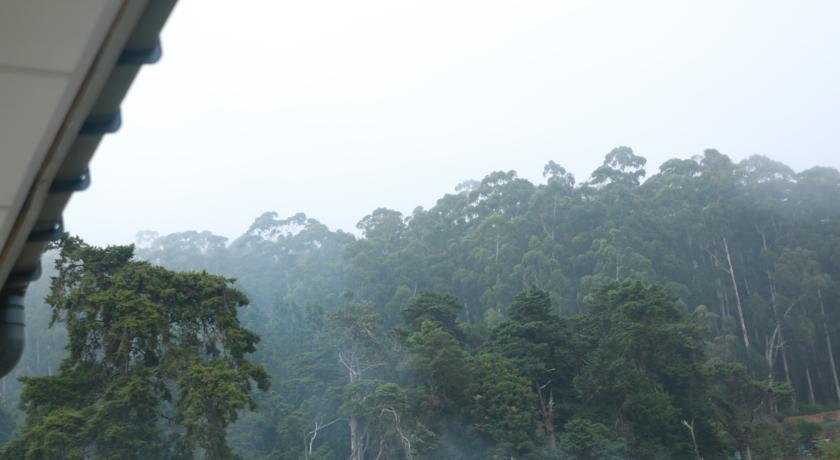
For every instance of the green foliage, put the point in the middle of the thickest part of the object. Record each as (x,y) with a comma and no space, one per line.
(621,166)
(8,424)
(428,306)
(808,432)
(437,362)
(146,347)
(530,306)
(741,406)
(501,408)
(584,439)
(829,449)
(614,316)
(645,369)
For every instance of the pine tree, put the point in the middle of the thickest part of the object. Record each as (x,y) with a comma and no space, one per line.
(157,364)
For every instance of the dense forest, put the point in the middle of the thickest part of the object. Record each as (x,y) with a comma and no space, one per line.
(682,314)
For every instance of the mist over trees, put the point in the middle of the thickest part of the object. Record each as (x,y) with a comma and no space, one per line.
(679,314)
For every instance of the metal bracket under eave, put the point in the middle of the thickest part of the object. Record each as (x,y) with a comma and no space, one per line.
(22,280)
(141,57)
(96,126)
(72,185)
(44,236)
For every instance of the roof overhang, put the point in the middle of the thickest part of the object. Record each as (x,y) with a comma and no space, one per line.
(65,68)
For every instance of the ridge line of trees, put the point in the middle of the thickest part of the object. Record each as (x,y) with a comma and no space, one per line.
(738,260)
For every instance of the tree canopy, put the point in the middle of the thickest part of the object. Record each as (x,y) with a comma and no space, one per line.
(157,363)
(631,314)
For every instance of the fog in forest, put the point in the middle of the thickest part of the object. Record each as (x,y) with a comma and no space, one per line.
(473,230)
(335,108)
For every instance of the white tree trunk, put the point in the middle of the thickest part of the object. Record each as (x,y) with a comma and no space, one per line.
(828,346)
(547,412)
(811,397)
(356,440)
(737,294)
(779,325)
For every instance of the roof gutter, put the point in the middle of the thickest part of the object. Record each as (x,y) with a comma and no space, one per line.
(11,331)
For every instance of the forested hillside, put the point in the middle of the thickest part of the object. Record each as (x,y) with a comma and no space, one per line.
(679,314)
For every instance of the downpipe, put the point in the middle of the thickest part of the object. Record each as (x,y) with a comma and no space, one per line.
(11,331)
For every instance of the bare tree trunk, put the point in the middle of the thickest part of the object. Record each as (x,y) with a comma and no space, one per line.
(772,285)
(828,346)
(690,427)
(550,234)
(793,400)
(617,266)
(309,439)
(38,354)
(811,397)
(737,294)
(357,434)
(721,299)
(547,411)
(785,362)
(770,354)
(381,450)
(356,442)
(404,439)
(817,369)
(779,325)
(744,450)
(773,346)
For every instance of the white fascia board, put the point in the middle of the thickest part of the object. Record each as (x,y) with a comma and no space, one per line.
(31,169)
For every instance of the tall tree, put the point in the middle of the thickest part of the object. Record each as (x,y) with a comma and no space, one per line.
(157,362)
(541,346)
(644,373)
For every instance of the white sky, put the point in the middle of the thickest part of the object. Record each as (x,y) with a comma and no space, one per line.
(336,107)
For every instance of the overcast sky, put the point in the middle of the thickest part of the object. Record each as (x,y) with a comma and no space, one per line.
(336,107)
